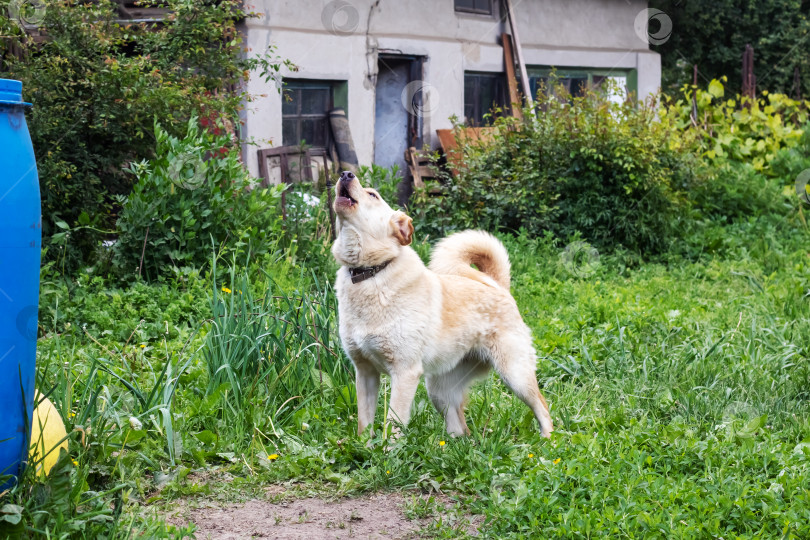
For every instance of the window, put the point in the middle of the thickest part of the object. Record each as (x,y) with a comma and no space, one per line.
(576,81)
(482,93)
(305,113)
(481,7)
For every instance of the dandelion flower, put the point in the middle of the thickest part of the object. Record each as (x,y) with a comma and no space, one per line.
(75,463)
(441,443)
(556,461)
(531,455)
(387,472)
(226,289)
(143,346)
(271,457)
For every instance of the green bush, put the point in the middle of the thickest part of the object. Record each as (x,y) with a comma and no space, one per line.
(789,163)
(735,129)
(193,196)
(385,180)
(97,85)
(738,191)
(610,171)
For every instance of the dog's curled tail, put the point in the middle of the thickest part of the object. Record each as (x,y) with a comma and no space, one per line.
(454,255)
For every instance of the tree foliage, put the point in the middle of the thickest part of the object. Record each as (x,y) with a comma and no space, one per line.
(98,84)
(713,35)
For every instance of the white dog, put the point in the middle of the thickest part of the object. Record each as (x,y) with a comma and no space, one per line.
(451,322)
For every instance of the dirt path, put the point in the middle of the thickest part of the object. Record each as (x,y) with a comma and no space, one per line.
(376,516)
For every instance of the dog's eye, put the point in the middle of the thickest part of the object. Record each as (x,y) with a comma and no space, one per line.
(373,194)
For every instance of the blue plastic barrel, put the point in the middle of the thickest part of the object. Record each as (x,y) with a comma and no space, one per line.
(20,245)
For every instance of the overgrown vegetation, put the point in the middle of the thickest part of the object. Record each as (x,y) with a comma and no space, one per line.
(676,363)
(713,35)
(194,196)
(624,176)
(610,171)
(679,387)
(97,86)
(731,128)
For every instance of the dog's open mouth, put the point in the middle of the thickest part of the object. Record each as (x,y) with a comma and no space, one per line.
(344,198)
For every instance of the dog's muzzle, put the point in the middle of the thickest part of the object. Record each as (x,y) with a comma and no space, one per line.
(344,198)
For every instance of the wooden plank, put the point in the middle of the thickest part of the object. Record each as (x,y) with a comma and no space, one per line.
(450,139)
(411,157)
(515,102)
(527,91)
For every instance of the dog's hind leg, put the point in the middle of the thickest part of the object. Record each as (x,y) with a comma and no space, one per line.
(513,357)
(448,392)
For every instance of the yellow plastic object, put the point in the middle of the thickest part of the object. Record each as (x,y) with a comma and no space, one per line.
(48,435)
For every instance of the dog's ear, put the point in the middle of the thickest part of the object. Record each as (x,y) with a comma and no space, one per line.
(403,227)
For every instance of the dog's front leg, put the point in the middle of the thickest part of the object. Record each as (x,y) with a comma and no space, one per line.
(403,390)
(368,389)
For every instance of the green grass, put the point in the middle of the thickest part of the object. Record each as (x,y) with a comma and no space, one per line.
(680,391)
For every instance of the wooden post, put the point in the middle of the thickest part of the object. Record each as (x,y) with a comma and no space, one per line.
(694,95)
(749,80)
(511,81)
(527,90)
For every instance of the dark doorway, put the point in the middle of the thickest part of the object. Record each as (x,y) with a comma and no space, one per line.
(396,127)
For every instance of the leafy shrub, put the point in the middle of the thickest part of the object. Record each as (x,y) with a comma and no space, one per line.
(739,129)
(790,162)
(97,85)
(139,312)
(738,191)
(306,239)
(608,170)
(385,180)
(193,195)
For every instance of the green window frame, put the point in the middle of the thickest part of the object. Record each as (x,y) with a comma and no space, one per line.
(305,110)
(575,79)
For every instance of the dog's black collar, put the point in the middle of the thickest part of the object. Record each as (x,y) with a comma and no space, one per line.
(362,273)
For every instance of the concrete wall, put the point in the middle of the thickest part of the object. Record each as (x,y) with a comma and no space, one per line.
(343,44)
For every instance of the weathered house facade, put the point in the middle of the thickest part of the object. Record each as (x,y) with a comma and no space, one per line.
(402,69)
